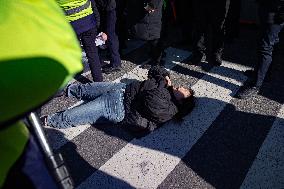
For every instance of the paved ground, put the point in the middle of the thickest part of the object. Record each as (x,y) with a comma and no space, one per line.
(224,143)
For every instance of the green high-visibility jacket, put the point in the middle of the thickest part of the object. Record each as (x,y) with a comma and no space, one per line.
(76,9)
(13,140)
(39,54)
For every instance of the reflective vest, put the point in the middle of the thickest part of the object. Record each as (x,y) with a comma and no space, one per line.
(39,54)
(13,140)
(76,9)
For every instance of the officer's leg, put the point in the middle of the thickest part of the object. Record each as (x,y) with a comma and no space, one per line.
(199,33)
(218,16)
(113,42)
(88,41)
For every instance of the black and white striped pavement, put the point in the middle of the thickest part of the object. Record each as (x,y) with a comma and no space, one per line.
(224,143)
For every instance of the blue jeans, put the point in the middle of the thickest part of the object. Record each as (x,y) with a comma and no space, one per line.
(269,37)
(104,102)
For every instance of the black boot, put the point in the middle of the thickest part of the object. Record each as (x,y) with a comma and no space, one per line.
(197,57)
(216,58)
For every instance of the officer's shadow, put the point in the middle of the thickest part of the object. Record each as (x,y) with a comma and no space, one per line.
(79,168)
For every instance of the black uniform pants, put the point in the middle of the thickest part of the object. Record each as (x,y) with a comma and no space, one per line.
(112,42)
(209,19)
(88,40)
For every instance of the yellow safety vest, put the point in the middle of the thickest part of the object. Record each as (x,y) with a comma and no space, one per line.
(39,54)
(13,139)
(76,9)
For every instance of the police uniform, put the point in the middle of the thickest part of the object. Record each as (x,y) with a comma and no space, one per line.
(39,55)
(84,18)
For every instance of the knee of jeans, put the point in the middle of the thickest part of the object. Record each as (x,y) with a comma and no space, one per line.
(117,115)
(117,118)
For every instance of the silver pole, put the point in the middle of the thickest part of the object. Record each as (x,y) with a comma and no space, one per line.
(55,162)
(33,118)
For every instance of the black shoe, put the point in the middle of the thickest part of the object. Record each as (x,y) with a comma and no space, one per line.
(216,57)
(110,69)
(216,62)
(197,58)
(249,73)
(43,120)
(247,92)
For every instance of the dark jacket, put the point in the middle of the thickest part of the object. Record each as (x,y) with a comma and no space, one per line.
(148,104)
(271,11)
(106,5)
(144,25)
(273,5)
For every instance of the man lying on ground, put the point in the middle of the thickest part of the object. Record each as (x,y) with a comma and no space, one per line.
(139,106)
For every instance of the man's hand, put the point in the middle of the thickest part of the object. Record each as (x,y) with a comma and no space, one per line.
(168,80)
(149,8)
(104,36)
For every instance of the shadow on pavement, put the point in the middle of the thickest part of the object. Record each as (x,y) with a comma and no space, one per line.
(78,167)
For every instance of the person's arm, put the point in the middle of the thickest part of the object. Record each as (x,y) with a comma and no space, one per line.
(152,5)
(168,80)
(157,70)
(96,14)
(111,5)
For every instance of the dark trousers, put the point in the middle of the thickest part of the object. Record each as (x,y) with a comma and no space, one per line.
(233,19)
(89,46)
(156,49)
(157,46)
(121,27)
(209,17)
(269,31)
(112,42)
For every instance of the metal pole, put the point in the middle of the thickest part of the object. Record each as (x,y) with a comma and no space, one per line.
(55,162)
(38,130)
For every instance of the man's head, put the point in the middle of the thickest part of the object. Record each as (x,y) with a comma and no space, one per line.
(184,100)
(181,93)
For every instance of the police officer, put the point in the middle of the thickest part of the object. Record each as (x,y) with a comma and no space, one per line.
(85,19)
(107,10)
(32,69)
(209,16)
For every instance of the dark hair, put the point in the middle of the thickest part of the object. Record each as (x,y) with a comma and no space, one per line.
(184,106)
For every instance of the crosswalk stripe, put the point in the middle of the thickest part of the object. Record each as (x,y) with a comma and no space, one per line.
(146,162)
(267,171)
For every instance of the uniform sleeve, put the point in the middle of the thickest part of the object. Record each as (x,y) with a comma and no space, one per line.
(96,13)
(155,3)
